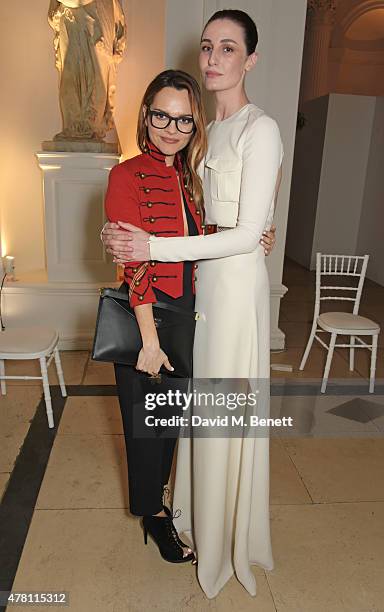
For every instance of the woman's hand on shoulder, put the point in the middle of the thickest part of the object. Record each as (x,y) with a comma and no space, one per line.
(125,242)
(151,358)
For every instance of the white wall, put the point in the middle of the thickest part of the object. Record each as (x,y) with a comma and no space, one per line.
(305,181)
(29,114)
(337,190)
(342,184)
(276,88)
(370,237)
(144,58)
(183,24)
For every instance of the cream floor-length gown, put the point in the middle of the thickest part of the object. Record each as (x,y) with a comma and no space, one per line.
(222,484)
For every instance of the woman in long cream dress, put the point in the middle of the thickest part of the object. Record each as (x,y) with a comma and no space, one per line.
(227,513)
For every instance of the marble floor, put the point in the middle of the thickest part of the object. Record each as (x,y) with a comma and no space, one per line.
(64,523)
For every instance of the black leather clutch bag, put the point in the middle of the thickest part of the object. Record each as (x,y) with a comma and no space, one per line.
(118,339)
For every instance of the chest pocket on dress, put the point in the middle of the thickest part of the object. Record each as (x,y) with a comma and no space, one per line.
(224,179)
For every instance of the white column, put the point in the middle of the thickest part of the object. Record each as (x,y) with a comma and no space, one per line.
(320,20)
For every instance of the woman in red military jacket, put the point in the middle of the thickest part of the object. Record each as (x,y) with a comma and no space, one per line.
(160,191)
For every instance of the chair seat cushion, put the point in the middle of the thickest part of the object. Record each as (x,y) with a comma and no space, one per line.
(346,321)
(28,341)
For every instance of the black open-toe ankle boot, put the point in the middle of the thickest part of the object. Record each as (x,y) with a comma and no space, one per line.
(168,512)
(164,534)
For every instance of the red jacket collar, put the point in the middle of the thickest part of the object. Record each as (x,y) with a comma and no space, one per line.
(157,155)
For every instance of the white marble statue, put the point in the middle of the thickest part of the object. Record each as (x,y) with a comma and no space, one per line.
(89,42)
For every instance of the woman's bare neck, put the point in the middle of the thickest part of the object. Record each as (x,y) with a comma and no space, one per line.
(229,102)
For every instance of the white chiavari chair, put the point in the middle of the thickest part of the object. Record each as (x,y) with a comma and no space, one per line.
(342,323)
(32,343)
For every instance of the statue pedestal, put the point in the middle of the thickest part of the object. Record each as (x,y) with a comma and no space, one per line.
(80,146)
(74,191)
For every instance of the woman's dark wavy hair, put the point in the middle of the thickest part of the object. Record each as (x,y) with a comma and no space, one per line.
(251,37)
(194,152)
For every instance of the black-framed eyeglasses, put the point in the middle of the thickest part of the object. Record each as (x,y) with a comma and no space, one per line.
(185,124)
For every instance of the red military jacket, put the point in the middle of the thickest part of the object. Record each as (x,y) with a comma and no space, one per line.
(145,192)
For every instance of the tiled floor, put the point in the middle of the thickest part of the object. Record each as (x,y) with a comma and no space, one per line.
(327,491)
(17,408)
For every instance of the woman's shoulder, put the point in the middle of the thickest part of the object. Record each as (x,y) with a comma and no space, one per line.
(130,166)
(258,119)
(261,133)
(260,127)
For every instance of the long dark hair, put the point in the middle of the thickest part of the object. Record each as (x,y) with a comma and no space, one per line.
(251,37)
(194,152)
